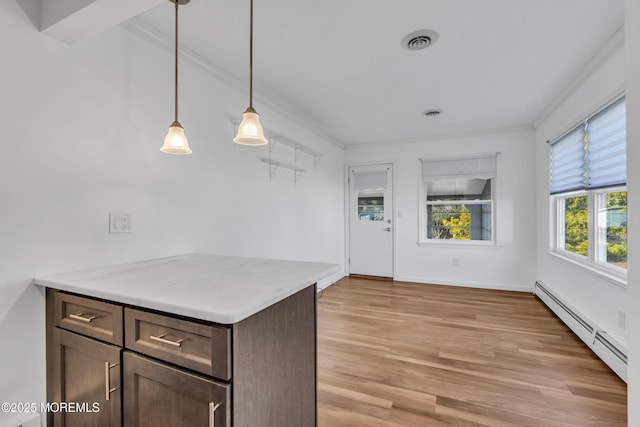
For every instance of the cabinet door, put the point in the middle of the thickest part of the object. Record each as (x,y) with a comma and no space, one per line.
(157,395)
(85,376)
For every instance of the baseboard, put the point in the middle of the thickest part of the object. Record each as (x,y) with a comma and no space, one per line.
(478,285)
(604,346)
(365,276)
(328,281)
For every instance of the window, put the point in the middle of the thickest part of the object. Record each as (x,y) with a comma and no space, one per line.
(458,198)
(588,195)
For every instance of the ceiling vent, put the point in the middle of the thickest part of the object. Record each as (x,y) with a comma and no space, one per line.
(432,113)
(420,39)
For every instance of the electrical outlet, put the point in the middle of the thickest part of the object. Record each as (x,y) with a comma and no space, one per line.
(454,261)
(622,319)
(119,222)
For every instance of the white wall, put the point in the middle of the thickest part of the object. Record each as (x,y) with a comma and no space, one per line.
(509,264)
(632,28)
(596,298)
(82,128)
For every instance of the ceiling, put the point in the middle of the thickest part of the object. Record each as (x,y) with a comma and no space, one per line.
(339,66)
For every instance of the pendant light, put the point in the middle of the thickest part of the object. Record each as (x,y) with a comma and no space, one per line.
(176,142)
(250,130)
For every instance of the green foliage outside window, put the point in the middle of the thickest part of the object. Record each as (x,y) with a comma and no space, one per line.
(459,225)
(451,223)
(576,233)
(617,228)
(577,227)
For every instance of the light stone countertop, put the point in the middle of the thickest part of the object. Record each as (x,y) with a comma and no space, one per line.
(221,289)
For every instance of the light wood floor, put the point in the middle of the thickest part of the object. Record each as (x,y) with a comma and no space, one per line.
(405,354)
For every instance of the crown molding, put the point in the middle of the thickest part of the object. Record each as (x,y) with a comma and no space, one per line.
(144,31)
(615,43)
(441,137)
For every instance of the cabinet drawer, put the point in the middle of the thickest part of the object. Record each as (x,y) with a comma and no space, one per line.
(201,347)
(89,317)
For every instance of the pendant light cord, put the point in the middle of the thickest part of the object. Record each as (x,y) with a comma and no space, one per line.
(176,65)
(251,56)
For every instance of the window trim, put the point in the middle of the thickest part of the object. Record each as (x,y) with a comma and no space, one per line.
(423,241)
(600,269)
(590,262)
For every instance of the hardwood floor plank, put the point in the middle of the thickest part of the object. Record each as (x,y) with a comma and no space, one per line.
(406,354)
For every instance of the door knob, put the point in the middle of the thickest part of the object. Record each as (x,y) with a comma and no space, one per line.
(387,229)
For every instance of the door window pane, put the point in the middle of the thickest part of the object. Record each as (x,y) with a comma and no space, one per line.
(370,206)
(576,221)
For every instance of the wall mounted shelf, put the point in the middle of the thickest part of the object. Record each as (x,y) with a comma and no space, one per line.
(298,149)
(274,165)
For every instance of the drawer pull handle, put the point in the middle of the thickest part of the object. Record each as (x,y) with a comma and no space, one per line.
(107,380)
(212,413)
(83,317)
(162,339)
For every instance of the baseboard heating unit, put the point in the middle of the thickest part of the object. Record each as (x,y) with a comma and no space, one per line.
(31,419)
(605,347)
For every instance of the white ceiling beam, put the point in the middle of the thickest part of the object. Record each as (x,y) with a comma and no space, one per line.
(73,20)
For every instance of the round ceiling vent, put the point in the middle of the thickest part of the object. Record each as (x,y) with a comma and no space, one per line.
(432,113)
(420,39)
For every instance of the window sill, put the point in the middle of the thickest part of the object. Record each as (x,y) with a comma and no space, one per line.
(458,244)
(611,277)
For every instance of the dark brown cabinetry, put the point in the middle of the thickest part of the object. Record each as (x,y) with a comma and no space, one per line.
(149,368)
(158,395)
(87,372)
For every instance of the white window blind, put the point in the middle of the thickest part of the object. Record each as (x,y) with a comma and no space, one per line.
(370,180)
(607,147)
(568,163)
(593,155)
(474,167)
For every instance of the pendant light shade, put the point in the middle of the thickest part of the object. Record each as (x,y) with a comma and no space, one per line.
(250,130)
(176,141)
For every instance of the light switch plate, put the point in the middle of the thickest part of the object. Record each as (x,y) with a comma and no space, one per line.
(119,222)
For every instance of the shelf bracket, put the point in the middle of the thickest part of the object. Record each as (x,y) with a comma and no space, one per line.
(272,170)
(273,142)
(274,165)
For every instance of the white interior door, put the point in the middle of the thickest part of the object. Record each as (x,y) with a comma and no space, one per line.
(371,220)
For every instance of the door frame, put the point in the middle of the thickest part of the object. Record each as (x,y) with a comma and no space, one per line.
(347,211)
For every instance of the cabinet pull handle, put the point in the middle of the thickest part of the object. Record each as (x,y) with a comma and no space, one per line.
(212,413)
(107,380)
(81,317)
(162,339)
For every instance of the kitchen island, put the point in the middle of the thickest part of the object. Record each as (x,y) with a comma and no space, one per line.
(187,340)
